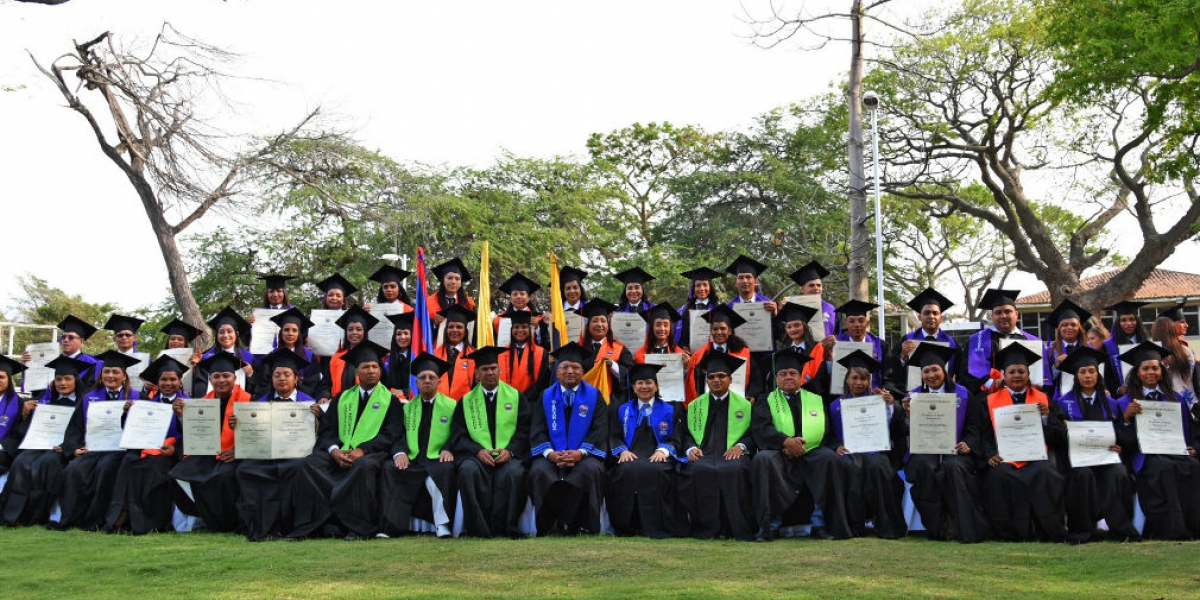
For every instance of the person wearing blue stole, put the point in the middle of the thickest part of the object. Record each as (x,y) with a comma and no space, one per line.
(12,412)
(976,371)
(569,435)
(231,332)
(644,438)
(76,331)
(1066,320)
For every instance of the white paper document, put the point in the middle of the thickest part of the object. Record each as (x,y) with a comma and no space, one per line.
(842,349)
(1160,428)
(104,426)
(264,331)
(201,424)
(914,372)
(325,335)
(629,329)
(274,430)
(47,427)
(697,329)
(1088,443)
(146,425)
(383,331)
(1019,433)
(865,424)
(37,375)
(756,331)
(1037,374)
(670,377)
(932,423)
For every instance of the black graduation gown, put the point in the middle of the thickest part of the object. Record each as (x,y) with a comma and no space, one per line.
(214,486)
(493,498)
(641,494)
(398,376)
(715,491)
(143,498)
(402,493)
(34,481)
(873,490)
(1168,487)
(568,499)
(265,492)
(10,408)
(88,479)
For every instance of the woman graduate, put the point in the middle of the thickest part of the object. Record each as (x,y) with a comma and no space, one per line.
(1067,319)
(336,376)
(231,331)
(702,295)
(1127,331)
(1168,486)
(1180,363)
(276,296)
(645,438)
(143,497)
(797,336)
(459,377)
(520,290)
(873,491)
(599,345)
(89,477)
(634,298)
(526,366)
(452,275)
(180,334)
(570,281)
(660,334)
(12,412)
(335,292)
(397,372)
(722,322)
(391,288)
(293,330)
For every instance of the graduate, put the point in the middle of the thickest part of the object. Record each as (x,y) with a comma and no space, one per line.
(143,496)
(1067,321)
(336,489)
(714,483)
(856,327)
(520,290)
(793,320)
(660,334)
(336,375)
(747,271)
(12,412)
(335,292)
(1168,486)
(645,438)
(181,335)
(1021,493)
(1169,331)
(452,275)
(265,487)
(945,487)
(212,480)
(491,447)
(526,366)
(600,345)
(702,295)
(1127,331)
(35,478)
(391,288)
(231,332)
(293,330)
(1102,491)
(124,332)
(795,455)
(722,322)
(459,377)
(570,281)
(976,368)
(809,277)
(569,435)
(634,298)
(276,297)
(76,331)
(930,307)
(420,481)
(397,374)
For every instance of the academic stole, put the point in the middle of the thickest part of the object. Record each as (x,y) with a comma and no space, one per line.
(439,426)
(661,420)
(569,426)
(739,419)
(1003,398)
(475,407)
(812,419)
(354,429)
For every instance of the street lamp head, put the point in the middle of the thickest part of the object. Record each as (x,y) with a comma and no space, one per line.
(871,100)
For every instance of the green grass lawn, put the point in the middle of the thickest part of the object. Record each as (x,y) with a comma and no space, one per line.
(46,564)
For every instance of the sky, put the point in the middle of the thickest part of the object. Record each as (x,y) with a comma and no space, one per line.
(447,82)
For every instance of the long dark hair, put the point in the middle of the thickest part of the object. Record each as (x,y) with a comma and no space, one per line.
(1121,337)
(650,336)
(402,296)
(267,302)
(1180,359)
(460,297)
(1134,385)
(713,299)
(784,341)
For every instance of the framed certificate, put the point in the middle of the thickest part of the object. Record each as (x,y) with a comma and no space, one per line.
(201,425)
(756,331)
(1019,433)
(865,424)
(933,423)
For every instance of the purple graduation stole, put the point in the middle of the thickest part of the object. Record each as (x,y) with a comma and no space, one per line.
(1074,409)
(979,353)
(1114,361)
(1139,459)
(9,409)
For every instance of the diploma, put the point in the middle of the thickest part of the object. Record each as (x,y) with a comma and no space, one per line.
(629,329)
(1126,367)
(37,375)
(914,372)
(740,378)
(201,424)
(1088,443)
(756,331)
(842,349)
(1037,375)
(183,355)
(274,430)
(933,423)
(264,331)
(135,372)
(146,425)
(504,333)
(1066,381)
(104,426)
(325,335)
(1160,428)
(816,324)
(697,328)
(865,424)
(670,377)
(575,325)
(47,427)
(1019,433)
(383,331)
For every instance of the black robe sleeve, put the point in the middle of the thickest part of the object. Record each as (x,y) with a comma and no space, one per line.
(73,439)
(539,431)
(324,385)
(327,433)
(597,435)
(463,444)
(519,444)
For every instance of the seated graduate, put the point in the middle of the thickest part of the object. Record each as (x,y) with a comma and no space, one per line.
(293,330)
(459,377)
(633,298)
(1021,493)
(873,490)
(391,288)
(520,290)
(212,480)
(335,292)
(12,412)
(1067,321)
(491,446)
(265,487)
(809,278)
(526,366)
(35,478)
(945,487)
(793,319)
(1101,491)
(87,482)
(420,481)
(143,497)
(1128,331)
(336,375)
(397,373)
(76,331)
(714,483)
(569,434)
(1168,486)
(335,491)
(645,438)
(452,275)
(231,332)
(795,455)
(660,334)
(722,322)
(599,345)
(930,306)
(570,281)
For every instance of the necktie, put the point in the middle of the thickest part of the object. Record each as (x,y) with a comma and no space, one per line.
(661,350)
(646,408)
(490,397)
(1154,396)
(451,300)
(570,397)
(1018,398)
(453,355)
(930,338)
(277,399)
(113,395)
(595,346)
(720,349)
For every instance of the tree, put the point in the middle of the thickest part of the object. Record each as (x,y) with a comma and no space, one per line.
(43,304)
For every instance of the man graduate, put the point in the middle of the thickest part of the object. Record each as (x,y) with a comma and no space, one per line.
(809,278)
(491,444)
(76,331)
(975,367)
(930,306)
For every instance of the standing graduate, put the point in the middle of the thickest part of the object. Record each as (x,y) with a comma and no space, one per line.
(930,307)
(420,481)
(634,298)
(459,377)
(1067,321)
(397,372)
(746,271)
(660,334)
(491,446)
(335,292)
(520,290)
(336,490)
(526,366)
(231,332)
(722,322)
(600,345)
(293,330)
(714,483)
(570,281)
(645,438)
(1170,331)
(76,331)
(856,327)
(180,335)
(796,454)
(391,288)
(124,332)
(336,374)
(569,434)
(702,295)
(976,368)
(12,412)
(1127,331)
(810,279)
(276,297)
(452,275)
(797,337)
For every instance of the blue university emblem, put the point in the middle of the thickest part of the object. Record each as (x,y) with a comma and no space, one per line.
(662,427)
(863,410)
(1016,417)
(932,407)
(1158,414)
(293,414)
(375,406)
(812,413)
(254,414)
(200,411)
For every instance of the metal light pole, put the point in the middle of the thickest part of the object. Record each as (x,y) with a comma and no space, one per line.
(871,100)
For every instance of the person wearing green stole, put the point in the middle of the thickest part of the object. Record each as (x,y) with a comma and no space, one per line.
(420,482)
(491,446)
(336,490)
(795,455)
(714,483)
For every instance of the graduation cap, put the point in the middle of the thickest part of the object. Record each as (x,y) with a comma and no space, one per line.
(275,281)
(634,275)
(566,274)
(180,327)
(73,324)
(810,271)
(664,310)
(644,371)
(367,351)
(356,314)
(1175,313)
(1067,310)
(994,298)
(702,274)
(454,265)
(457,313)
(793,311)
(862,360)
(65,365)
(1082,356)
(790,359)
(856,308)
(1016,354)
(571,352)
(284,357)
(519,282)
(927,297)
(112,358)
(11,367)
(931,354)
(389,274)
(518,317)
(163,364)
(1127,307)
(336,282)
(118,323)
(1143,352)
(228,316)
(597,308)
(429,362)
(403,320)
(723,314)
(487,355)
(745,264)
(222,362)
(720,362)
(293,316)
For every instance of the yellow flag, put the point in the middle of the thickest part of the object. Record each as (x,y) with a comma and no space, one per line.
(557,316)
(483,308)
(599,378)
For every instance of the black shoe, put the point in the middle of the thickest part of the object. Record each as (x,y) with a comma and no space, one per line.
(766,535)
(821,533)
(353,537)
(298,538)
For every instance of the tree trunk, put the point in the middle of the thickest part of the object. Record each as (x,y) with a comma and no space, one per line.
(860,244)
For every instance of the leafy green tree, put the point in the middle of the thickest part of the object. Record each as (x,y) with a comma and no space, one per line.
(43,304)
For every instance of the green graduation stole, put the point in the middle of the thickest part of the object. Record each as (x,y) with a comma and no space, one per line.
(812,419)
(439,426)
(355,430)
(474,407)
(739,418)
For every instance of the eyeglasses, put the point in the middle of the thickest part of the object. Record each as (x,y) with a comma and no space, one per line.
(125,334)
(70,337)
(712,376)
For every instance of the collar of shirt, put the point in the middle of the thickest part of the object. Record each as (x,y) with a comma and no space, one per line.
(291,397)
(166,398)
(940,390)
(76,355)
(366,392)
(571,306)
(1015,331)
(1146,391)
(719,398)
(642,405)
(863,339)
(926,333)
(566,390)
(459,346)
(70,396)
(719,347)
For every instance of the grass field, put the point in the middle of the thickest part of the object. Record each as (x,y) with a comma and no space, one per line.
(46,564)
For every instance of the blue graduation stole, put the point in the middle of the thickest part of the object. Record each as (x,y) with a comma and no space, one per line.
(569,426)
(662,421)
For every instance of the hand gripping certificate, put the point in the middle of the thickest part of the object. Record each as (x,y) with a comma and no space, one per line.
(756,331)
(1088,443)
(842,349)
(1160,428)
(47,428)
(325,334)
(1019,433)
(201,424)
(670,377)
(274,430)
(37,375)
(146,425)
(104,426)
(933,423)
(264,331)
(629,329)
(865,424)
